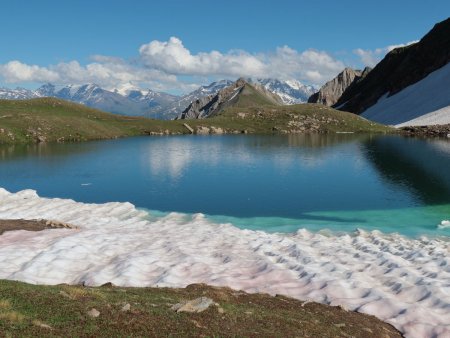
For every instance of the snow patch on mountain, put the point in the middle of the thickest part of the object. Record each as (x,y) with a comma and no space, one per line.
(422,103)
(17,94)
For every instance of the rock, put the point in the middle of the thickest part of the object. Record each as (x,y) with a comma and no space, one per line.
(41,324)
(126,308)
(442,130)
(188,127)
(197,324)
(65,294)
(195,305)
(107,285)
(57,224)
(330,93)
(201,130)
(94,313)
(216,130)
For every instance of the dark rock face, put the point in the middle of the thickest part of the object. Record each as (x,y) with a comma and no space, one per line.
(330,93)
(399,69)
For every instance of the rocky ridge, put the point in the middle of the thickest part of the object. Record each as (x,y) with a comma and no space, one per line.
(211,105)
(331,92)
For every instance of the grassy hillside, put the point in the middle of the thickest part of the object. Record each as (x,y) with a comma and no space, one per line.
(50,119)
(300,118)
(54,120)
(63,311)
(251,96)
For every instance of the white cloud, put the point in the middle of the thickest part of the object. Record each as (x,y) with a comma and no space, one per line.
(285,63)
(111,73)
(15,71)
(169,65)
(372,57)
(172,57)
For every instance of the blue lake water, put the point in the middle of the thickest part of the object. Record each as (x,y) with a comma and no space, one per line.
(273,183)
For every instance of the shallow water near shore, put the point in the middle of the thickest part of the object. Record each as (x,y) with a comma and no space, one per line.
(269,183)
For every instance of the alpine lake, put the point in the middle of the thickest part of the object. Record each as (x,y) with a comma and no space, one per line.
(321,182)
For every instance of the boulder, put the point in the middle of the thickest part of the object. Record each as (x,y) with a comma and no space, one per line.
(196,305)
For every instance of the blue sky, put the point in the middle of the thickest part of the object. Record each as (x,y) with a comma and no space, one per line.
(53,40)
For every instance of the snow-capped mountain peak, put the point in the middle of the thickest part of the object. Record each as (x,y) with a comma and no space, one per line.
(290,91)
(17,94)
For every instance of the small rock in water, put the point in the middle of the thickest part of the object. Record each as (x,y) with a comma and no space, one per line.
(195,305)
(94,313)
(126,307)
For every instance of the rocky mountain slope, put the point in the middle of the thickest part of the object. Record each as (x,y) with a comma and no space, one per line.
(330,93)
(176,107)
(240,93)
(408,83)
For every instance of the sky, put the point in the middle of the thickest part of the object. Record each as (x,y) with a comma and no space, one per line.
(177,45)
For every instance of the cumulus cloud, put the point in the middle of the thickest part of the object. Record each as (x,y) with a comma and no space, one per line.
(109,73)
(285,63)
(169,65)
(372,57)
(15,71)
(172,57)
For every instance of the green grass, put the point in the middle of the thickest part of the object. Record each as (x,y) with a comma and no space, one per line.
(50,120)
(293,119)
(54,120)
(251,97)
(42,311)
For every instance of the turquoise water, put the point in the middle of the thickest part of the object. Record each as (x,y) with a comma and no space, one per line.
(271,183)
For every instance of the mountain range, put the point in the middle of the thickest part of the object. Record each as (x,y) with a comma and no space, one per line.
(131,100)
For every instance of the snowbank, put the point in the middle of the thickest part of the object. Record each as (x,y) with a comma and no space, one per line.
(402,281)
